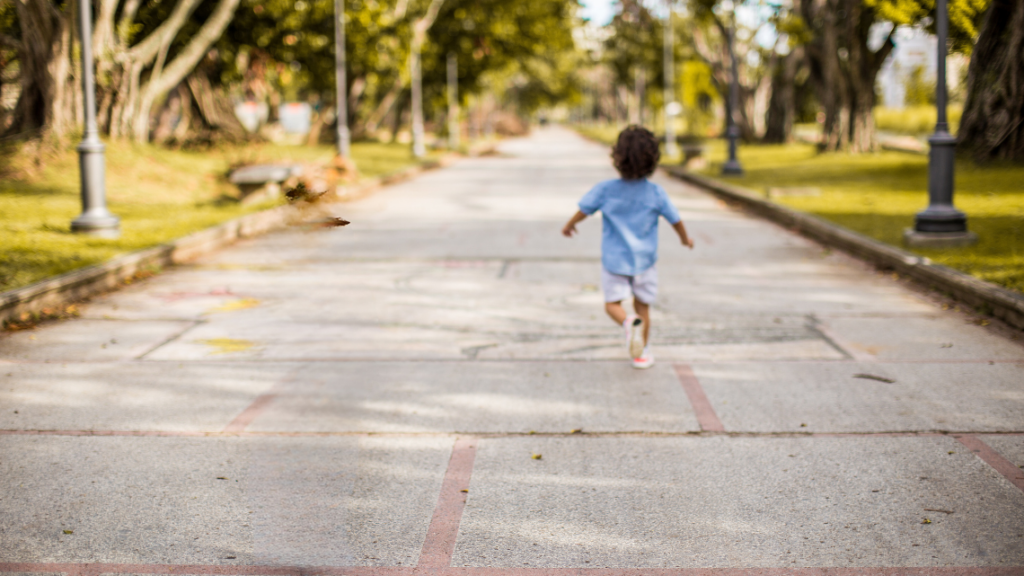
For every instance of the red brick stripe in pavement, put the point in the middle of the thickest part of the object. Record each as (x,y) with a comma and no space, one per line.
(439,544)
(706,416)
(226,570)
(994,459)
(257,407)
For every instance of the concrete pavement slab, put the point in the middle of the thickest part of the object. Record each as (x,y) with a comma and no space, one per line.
(937,338)
(168,397)
(452,303)
(93,340)
(484,397)
(737,502)
(831,397)
(264,501)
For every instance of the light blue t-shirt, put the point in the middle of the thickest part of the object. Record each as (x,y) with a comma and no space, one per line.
(630,210)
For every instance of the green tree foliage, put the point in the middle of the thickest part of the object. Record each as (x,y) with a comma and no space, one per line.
(698,96)
(295,42)
(528,42)
(964,17)
(635,43)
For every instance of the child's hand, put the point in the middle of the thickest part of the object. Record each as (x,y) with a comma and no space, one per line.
(570,227)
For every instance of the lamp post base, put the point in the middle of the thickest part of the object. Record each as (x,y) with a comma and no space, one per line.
(97,226)
(732,168)
(916,239)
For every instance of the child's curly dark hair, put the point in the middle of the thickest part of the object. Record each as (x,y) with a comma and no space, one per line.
(636,153)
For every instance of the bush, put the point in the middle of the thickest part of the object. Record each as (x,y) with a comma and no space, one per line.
(919,90)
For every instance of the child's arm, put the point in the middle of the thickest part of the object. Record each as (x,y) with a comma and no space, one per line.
(570,226)
(683,237)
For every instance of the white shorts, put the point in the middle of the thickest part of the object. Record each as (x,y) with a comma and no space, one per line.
(617,288)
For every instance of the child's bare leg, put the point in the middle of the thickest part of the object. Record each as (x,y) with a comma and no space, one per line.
(643,311)
(616,311)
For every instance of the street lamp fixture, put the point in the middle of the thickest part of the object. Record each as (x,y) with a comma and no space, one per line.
(940,224)
(95,219)
(732,132)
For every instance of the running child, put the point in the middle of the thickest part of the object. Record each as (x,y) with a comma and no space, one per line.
(630,207)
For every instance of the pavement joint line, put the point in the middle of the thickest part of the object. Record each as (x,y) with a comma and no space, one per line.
(994,459)
(706,416)
(505,265)
(621,434)
(172,338)
(439,544)
(221,569)
(464,360)
(839,342)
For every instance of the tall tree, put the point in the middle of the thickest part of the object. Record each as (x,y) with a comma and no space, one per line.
(844,67)
(992,126)
(143,49)
(754,61)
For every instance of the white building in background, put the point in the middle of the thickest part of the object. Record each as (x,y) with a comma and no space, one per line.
(914,48)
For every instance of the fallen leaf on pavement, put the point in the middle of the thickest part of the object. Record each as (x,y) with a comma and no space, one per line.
(333,222)
(926,521)
(537,456)
(69,531)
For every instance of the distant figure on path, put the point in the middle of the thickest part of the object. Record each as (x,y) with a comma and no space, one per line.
(630,207)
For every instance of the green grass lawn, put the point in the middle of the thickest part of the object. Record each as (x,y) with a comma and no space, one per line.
(878,195)
(159,195)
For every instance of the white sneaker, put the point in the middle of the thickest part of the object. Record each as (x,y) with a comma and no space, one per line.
(644,360)
(634,335)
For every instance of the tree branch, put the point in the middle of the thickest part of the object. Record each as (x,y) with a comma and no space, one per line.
(879,56)
(144,52)
(187,59)
(104,27)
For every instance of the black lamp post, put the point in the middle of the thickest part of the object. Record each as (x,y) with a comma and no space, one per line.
(95,219)
(732,132)
(940,224)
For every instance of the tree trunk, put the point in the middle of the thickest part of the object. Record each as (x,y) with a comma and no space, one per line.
(992,126)
(130,79)
(782,104)
(45,59)
(720,65)
(214,109)
(162,80)
(843,70)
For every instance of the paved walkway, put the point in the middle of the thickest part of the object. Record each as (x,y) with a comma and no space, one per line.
(436,386)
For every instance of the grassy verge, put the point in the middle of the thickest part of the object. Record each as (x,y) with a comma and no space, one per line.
(914,120)
(878,195)
(159,195)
